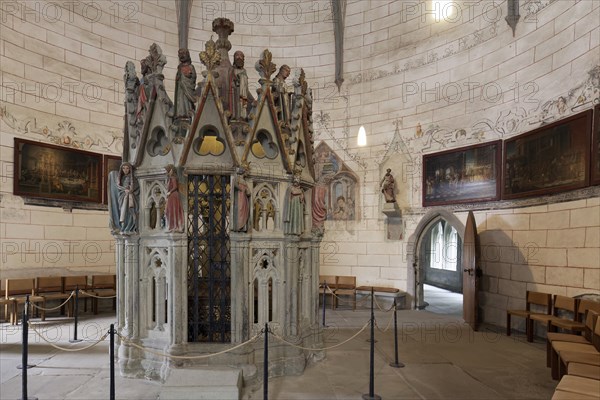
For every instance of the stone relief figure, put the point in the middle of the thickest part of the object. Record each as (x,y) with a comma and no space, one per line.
(387,187)
(242,99)
(185,86)
(282,100)
(294,209)
(123,200)
(132,86)
(174,211)
(242,198)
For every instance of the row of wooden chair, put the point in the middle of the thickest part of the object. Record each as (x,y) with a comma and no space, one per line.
(339,286)
(14,292)
(555,311)
(575,360)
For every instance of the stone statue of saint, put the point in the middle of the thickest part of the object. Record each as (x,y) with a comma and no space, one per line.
(387,187)
(242,98)
(294,210)
(282,100)
(156,60)
(174,209)
(123,200)
(143,95)
(242,198)
(185,86)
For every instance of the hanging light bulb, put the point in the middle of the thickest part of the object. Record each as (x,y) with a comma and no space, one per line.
(362,136)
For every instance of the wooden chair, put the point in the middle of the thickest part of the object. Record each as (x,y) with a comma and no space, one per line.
(586,338)
(17,290)
(103,286)
(564,353)
(51,288)
(8,304)
(76,282)
(345,285)
(561,303)
(330,281)
(578,324)
(535,299)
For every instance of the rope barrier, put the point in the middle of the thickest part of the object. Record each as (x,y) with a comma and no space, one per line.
(53,308)
(324,348)
(388,325)
(95,296)
(158,353)
(381,309)
(64,348)
(344,301)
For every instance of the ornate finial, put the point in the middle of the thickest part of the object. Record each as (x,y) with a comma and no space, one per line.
(210,57)
(264,66)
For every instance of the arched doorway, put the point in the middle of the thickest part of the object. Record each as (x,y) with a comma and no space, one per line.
(435,253)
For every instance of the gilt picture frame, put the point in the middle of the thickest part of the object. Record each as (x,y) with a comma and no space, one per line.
(57,173)
(464,175)
(550,159)
(595,165)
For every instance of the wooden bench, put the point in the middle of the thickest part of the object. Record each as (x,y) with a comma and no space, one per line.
(386,292)
(103,286)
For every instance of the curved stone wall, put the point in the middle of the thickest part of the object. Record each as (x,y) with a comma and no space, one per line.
(417,82)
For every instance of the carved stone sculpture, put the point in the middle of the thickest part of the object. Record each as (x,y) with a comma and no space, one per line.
(174,210)
(123,200)
(242,199)
(185,86)
(281,98)
(388,185)
(294,210)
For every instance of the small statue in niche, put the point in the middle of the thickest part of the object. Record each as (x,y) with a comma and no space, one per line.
(294,209)
(388,186)
(123,200)
(174,211)
(242,198)
(185,86)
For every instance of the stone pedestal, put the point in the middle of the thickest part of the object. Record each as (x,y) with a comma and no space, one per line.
(394,225)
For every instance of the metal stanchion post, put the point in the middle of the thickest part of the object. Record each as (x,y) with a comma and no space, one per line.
(112,361)
(396,363)
(324,299)
(371,395)
(24,352)
(266,365)
(76,316)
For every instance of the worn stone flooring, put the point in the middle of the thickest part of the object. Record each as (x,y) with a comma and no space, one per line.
(443,359)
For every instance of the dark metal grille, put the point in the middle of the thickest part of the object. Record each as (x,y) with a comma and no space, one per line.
(209,260)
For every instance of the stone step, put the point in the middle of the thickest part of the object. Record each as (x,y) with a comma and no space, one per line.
(204,383)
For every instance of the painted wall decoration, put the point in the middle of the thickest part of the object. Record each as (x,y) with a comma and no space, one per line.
(548,159)
(339,183)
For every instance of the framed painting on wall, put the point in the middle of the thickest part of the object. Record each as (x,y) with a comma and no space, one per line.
(595,175)
(549,159)
(57,173)
(464,175)
(111,163)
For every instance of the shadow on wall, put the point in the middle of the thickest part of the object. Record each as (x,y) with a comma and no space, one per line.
(507,275)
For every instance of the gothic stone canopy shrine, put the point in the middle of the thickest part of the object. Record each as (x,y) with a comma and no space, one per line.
(212,211)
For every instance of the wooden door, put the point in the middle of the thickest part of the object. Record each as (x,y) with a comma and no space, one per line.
(471,272)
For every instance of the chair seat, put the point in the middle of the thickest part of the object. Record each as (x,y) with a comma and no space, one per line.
(567,324)
(561,395)
(584,370)
(579,385)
